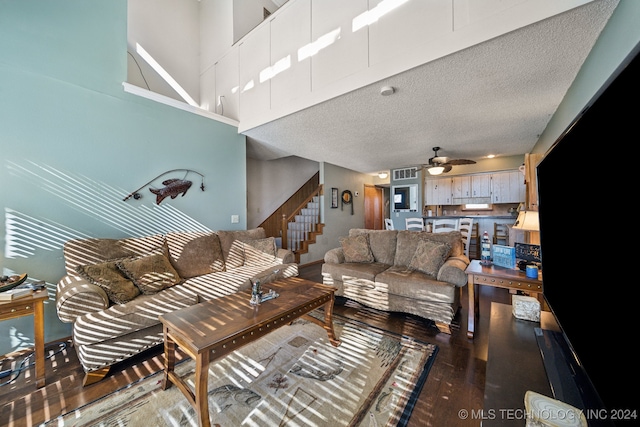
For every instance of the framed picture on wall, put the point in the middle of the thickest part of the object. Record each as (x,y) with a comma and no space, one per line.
(334,197)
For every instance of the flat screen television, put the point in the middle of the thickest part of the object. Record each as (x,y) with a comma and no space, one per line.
(586,194)
(401,198)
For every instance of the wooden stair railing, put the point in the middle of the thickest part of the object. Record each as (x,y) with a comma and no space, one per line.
(277,224)
(303,225)
(273,223)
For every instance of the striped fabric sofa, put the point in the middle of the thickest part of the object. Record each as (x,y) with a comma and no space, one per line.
(115,289)
(413,272)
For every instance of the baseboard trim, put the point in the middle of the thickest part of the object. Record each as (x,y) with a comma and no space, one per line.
(309,264)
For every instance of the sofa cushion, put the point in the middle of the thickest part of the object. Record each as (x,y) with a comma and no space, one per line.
(415,285)
(381,242)
(119,288)
(195,253)
(260,251)
(429,257)
(151,273)
(232,247)
(356,248)
(92,251)
(357,271)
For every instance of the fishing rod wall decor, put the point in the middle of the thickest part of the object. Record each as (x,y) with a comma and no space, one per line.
(173,187)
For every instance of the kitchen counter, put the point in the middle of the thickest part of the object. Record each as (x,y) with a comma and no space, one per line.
(485,223)
(513,217)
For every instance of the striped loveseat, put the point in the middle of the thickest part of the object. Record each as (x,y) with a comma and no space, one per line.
(115,289)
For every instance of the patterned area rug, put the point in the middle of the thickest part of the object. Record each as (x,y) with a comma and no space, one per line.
(291,377)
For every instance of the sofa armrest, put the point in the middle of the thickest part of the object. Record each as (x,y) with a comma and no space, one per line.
(286,256)
(76,297)
(453,271)
(334,256)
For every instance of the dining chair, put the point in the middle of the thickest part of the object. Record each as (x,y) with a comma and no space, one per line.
(465,226)
(500,234)
(474,241)
(414,224)
(444,225)
(388,224)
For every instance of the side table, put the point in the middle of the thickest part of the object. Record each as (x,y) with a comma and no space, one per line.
(498,277)
(25,306)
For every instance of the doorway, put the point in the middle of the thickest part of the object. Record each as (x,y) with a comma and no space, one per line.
(373,207)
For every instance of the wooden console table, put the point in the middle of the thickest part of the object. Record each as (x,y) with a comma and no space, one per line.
(498,277)
(25,306)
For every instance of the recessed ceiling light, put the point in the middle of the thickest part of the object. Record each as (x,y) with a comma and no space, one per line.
(491,156)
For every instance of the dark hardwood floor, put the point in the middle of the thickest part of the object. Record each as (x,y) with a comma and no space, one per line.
(455,383)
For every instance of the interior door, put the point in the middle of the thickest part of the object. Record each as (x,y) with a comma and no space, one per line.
(373,207)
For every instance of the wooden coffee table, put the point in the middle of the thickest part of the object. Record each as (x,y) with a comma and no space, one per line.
(213,329)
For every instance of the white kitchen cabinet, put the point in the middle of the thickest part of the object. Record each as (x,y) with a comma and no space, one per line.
(498,187)
(471,189)
(439,191)
(480,187)
(508,187)
(461,188)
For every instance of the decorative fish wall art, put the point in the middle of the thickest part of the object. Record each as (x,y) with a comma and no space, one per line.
(172,187)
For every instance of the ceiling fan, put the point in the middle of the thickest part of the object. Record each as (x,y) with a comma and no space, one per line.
(440,164)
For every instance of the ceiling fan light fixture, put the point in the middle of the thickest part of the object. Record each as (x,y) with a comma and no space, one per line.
(436,170)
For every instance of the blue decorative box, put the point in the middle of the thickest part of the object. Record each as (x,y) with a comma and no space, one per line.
(504,256)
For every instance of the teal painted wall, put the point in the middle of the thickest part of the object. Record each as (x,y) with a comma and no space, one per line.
(73,144)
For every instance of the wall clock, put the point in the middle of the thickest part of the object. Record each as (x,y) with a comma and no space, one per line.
(347,199)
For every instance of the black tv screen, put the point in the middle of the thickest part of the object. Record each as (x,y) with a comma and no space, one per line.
(401,198)
(587,189)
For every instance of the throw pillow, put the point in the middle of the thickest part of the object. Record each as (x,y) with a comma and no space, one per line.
(107,276)
(260,251)
(232,247)
(429,257)
(195,253)
(356,248)
(151,273)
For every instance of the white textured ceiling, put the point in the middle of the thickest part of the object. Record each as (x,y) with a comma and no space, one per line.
(496,97)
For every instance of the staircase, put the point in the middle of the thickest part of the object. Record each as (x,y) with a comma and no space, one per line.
(305,227)
(297,221)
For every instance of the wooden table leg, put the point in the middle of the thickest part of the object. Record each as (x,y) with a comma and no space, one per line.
(202,389)
(472,307)
(169,359)
(38,323)
(328,322)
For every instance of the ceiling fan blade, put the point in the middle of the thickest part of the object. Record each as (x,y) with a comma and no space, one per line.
(456,162)
(447,168)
